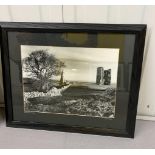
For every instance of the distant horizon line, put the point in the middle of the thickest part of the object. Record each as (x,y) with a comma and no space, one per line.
(71,80)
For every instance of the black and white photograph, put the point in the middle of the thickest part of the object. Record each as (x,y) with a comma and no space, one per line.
(72,77)
(70,80)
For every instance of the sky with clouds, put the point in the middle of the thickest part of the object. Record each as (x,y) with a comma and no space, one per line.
(81,63)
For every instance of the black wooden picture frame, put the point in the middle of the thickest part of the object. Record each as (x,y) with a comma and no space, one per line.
(137,30)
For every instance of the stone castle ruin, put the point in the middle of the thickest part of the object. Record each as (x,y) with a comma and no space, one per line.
(103,77)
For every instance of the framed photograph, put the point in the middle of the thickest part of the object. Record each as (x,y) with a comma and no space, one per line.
(72,77)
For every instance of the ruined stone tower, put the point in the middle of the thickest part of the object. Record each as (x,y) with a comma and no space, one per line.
(103,77)
(100,75)
(107,77)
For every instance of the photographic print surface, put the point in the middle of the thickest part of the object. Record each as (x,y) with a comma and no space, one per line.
(70,80)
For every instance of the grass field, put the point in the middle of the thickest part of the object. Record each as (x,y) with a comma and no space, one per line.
(76,100)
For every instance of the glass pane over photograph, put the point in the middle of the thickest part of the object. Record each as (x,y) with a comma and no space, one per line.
(70,80)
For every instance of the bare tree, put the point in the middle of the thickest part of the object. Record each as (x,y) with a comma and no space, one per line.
(42,66)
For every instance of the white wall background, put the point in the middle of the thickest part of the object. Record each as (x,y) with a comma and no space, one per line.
(99,14)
